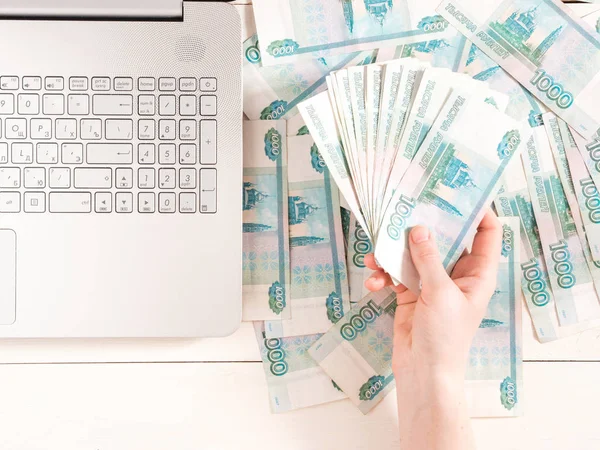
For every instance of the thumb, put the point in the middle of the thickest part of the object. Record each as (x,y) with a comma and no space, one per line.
(426,258)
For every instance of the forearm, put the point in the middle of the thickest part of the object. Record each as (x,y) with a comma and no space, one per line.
(433,413)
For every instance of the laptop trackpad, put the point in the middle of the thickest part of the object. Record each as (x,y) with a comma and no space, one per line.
(8,276)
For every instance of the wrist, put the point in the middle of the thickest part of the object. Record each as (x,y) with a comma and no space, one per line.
(429,387)
(432,410)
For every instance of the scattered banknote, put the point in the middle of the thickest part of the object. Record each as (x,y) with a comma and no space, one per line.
(513,200)
(359,246)
(293,377)
(274,92)
(357,352)
(495,364)
(266,253)
(574,292)
(450,182)
(579,188)
(293,30)
(319,283)
(544,46)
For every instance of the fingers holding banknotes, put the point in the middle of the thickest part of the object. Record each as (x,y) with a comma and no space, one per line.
(434,330)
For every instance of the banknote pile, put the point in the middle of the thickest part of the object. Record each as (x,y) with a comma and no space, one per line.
(367,118)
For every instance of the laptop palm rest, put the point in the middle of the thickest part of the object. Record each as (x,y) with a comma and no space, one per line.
(8,276)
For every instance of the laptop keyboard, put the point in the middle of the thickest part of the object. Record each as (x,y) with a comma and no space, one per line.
(108,145)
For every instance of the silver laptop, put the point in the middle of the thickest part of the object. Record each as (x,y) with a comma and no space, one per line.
(120,168)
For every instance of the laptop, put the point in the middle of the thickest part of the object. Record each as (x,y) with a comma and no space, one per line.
(120,168)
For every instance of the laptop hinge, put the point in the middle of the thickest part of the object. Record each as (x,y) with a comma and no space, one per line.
(92,9)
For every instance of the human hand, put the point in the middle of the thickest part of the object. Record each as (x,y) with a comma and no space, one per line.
(434,330)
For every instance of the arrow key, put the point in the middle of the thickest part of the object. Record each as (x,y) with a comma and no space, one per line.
(103,202)
(124,202)
(124,178)
(146,202)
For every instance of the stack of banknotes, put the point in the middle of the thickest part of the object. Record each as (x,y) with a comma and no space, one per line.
(415,113)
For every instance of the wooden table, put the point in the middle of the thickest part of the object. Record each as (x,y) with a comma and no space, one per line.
(181,394)
(210,394)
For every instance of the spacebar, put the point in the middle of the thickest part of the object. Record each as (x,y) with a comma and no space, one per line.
(70,202)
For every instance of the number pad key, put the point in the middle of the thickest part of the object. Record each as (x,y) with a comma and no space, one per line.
(34,177)
(166,154)
(166,105)
(146,178)
(187,154)
(146,129)
(146,202)
(187,178)
(187,202)
(124,202)
(187,105)
(124,178)
(167,129)
(166,178)
(146,106)
(166,202)
(187,130)
(22,153)
(146,154)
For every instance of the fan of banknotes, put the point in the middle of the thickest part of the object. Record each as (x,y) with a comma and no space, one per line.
(409,144)
(415,112)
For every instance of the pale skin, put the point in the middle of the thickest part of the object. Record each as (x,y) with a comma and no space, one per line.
(433,333)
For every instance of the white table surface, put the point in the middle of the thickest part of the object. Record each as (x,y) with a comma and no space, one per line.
(210,394)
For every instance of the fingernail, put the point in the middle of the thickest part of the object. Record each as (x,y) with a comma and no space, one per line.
(373,281)
(419,234)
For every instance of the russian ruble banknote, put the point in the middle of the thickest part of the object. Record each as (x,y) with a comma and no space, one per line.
(321,121)
(266,252)
(575,295)
(274,92)
(294,379)
(494,383)
(450,182)
(359,246)
(544,46)
(514,200)
(319,283)
(575,179)
(292,30)
(357,352)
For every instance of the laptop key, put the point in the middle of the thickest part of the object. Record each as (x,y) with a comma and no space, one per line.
(112,105)
(92,178)
(10,202)
(208,191)
(109,153)
(166,202)
(70,202)
(10,177)
(124,202)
